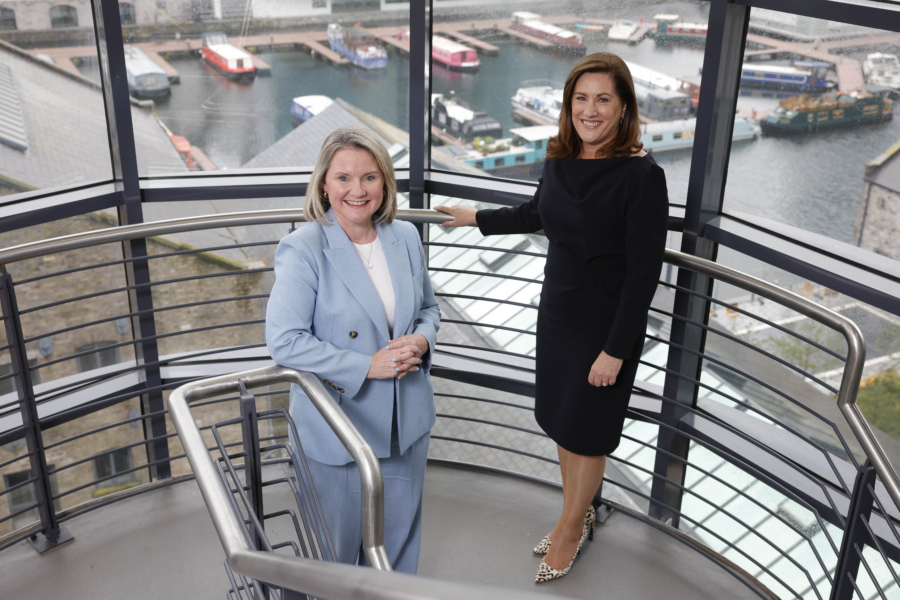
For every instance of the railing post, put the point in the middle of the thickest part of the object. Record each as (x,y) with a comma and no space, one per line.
(111,52)
(252,465)
(52,533)
(855,534)
(709,165)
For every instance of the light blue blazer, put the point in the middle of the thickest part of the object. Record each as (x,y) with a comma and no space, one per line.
(324,316)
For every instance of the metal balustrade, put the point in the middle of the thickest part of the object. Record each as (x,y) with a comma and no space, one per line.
(482,387)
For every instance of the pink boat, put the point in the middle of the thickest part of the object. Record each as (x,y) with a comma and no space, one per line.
(448,53)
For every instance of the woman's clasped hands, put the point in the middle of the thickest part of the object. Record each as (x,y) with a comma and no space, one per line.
(399,357)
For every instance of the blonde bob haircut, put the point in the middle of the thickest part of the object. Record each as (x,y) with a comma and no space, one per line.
(567,144)
(351,138)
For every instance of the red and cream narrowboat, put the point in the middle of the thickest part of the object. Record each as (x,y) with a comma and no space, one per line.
(531,24)
(448,53)
(232,62)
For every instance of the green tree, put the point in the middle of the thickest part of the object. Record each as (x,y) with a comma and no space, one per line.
(879,400)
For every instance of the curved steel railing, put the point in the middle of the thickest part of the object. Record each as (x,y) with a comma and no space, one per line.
(856,344)
(319,578)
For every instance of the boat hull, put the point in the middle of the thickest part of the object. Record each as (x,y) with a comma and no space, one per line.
(147,94)
(462,68)
(244,77)
(786,129)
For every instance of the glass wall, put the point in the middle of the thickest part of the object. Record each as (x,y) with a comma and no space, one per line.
(259,85)
(497,80)
(53,133)
(823,93)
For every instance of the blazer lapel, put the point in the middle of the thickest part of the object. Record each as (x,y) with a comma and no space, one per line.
(397,257)
(344,258)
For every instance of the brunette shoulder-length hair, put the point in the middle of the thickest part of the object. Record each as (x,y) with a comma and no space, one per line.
(567,144)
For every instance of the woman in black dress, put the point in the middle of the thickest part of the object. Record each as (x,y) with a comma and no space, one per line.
(603,205)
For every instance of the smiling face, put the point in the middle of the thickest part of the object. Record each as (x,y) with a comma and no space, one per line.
(355,188)
(596,112)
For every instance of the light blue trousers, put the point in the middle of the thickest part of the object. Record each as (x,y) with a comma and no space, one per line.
(338,488)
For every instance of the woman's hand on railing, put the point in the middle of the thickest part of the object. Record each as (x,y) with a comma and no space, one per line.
(390,362)
(462,215)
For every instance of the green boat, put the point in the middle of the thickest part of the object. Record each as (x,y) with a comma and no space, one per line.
(807,114)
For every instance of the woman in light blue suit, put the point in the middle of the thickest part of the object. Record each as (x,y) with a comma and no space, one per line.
(353,303)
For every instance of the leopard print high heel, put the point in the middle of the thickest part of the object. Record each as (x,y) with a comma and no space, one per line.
(547,573)
(590,518)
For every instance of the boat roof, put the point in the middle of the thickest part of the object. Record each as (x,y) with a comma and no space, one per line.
(542,90)
(684,24)
(449,45)
(535,133)
(652,78)
(666,17)
(875,55)
(774,69)
(227,51)
(643,91)
(138,63)
(314,104)
(548,28)
(811,63)
(455,110)
(526,16)
(666,126)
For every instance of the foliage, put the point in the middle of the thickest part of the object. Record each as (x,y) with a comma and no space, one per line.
(485,145)
(804,355)
(879,400)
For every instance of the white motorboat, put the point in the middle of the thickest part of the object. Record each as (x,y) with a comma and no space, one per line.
(622,30)
(882,69)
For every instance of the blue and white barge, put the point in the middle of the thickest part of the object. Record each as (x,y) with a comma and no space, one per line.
(358,46)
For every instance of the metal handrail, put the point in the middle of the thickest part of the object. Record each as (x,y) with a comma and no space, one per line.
(855,342)
(318,578)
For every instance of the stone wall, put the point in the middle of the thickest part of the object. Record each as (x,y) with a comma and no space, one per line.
(232,282)
(34,15)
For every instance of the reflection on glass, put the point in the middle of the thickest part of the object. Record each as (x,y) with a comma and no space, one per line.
(823,95)
(53,132)
(496,119)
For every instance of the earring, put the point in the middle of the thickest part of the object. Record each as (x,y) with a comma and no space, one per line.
(325,195)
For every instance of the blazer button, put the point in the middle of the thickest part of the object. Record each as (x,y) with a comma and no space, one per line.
(353,335)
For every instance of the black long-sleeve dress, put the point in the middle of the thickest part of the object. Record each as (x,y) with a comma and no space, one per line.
(606,221)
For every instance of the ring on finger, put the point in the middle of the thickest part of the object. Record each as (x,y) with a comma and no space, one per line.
(604,384)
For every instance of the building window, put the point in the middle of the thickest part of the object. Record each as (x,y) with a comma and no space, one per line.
(7,19)
(107,465)
(25,496)
(63,16)
(103,357)
(8,386)
(126,13)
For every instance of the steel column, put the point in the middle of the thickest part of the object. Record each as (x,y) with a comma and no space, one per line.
(709,166)
(855,534)
(52,533)
(125,170)
(419,101)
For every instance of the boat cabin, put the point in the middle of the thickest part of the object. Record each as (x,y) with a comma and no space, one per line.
(456,118)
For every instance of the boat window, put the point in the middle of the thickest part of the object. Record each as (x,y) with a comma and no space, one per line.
(499,162)
(677,135)
(539,144)
(479,164)
(657,137)
(63,16)
(520,158)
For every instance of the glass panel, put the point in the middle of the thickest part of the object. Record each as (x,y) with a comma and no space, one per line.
(497,81)
(822,92)
(54,130)
(878,393)
(273,80)
(111,428)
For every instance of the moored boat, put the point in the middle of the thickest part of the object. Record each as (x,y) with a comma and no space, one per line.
(807,76)
(679,135)
(532,25)
(670,29)
(146,79)
(449,54)
(543,102)
(304,108)
(808,114)
(232,62)
(661,104)
(622,30)
(457,119)
(882,70)
(358,46)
